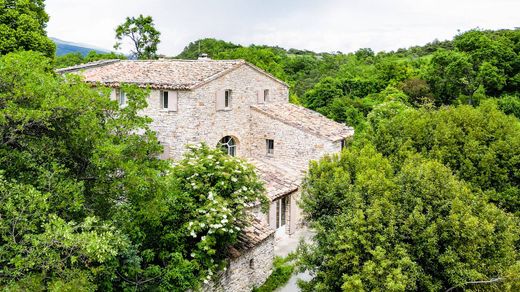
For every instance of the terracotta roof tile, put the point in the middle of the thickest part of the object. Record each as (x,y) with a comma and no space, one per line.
(253,234)
(306,120)
(277,181)
(158,74)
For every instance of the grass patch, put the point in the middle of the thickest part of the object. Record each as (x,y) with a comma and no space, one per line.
(283,268)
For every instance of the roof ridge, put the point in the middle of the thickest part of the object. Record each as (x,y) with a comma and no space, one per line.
(187,60)
(264,109)
(88,65)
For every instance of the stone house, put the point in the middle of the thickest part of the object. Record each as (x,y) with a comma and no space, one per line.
(235,106)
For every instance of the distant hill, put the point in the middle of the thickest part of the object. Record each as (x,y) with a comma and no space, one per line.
(64,47)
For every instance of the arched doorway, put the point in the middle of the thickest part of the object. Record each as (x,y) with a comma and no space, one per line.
(229,145)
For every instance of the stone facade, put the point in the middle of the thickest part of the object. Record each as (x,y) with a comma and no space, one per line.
(251,261)
(198,120)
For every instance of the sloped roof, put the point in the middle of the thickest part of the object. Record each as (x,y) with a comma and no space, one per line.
(278,182)
(251,236)
(158,74)
(306,120)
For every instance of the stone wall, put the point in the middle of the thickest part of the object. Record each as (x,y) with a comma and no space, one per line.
(242,274)
(293,147)
(197,118)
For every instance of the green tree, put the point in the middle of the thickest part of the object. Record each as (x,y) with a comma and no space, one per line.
(510,104)
(60,141)
(69,60)
(76,58)
(415,227)
(143,35)
(206,46)
(450,75)
(22,27)
(481,145)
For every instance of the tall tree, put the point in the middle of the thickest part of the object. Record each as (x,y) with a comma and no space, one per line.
(416,227)
(143,35)
(22,27)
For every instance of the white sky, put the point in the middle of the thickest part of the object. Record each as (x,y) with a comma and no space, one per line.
(318,25)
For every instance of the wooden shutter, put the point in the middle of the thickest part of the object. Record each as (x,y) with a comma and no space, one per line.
(220,99)
(174,100)
(166,152)
(260,96)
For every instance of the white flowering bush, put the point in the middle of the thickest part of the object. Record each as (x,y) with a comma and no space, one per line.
(210,192)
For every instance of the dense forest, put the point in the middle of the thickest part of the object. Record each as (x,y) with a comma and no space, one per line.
(426,195)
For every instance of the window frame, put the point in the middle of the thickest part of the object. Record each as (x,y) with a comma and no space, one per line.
(229,145)
(266,95)
(163,99)
(269,146)
(227,99)
(121,97)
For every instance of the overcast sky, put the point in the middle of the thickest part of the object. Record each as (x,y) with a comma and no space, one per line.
(318,25)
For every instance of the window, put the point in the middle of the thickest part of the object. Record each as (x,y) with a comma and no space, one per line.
(227,98)
(164,99)
(224,100)
(169,101)
(281,208)
(266,95)
(269,144)
(251,263)
(342,144)
(121,97)
(228,145)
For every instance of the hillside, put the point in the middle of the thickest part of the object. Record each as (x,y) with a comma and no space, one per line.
(64,47)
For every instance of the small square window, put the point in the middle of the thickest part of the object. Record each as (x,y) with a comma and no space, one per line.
(227,98)
(266,95)
(164,99)
(269,143)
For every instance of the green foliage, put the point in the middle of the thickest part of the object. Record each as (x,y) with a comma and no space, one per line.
(415,226)
(481,145)
(143,35)
(22,27)
(72,59)
(264,58)
(283,269)
(510,104)
(206,46)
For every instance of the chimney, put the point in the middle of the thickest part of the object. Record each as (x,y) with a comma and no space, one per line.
(204,57)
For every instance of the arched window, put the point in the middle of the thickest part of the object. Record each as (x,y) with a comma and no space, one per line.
(228,145)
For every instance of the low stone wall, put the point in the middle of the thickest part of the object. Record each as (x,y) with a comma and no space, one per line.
(251,269)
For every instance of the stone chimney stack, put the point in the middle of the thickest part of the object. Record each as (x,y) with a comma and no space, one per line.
(204,57)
